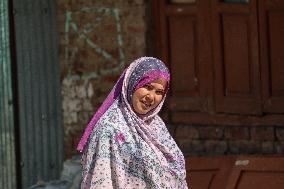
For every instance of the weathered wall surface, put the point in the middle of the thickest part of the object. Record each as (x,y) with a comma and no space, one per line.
(220,140)
(100,37)
(97,39)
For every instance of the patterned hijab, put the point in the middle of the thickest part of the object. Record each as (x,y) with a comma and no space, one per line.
(142,71)
(140,140)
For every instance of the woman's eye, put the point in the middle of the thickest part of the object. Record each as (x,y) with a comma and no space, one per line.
(160,92)
(149,87)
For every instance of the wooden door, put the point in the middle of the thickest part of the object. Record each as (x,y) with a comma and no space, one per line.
(235,172)
(226,60)
(208,172)
(271,28)
(236,62)
(184,43)
(257,173)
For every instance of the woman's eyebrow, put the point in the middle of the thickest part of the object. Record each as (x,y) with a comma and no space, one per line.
(155,87)
(161,89)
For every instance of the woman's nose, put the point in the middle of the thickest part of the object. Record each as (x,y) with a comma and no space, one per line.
(149,97)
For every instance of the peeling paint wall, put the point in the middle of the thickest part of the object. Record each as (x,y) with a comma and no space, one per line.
(98,38)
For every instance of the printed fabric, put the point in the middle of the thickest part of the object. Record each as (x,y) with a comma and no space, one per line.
(125,150)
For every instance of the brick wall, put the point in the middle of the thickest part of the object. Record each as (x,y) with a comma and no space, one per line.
(100,37)
(220,140)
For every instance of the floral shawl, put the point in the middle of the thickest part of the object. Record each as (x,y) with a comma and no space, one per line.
(122,150)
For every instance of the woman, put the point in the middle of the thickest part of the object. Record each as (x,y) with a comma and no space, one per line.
(126,144)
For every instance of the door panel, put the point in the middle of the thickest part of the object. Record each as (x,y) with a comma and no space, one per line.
(225,56)
(235,42)
(271,27)
(236,60)
(183,54)
(185,88)
(208,172)
(257,172)
(184,35)
(235,172)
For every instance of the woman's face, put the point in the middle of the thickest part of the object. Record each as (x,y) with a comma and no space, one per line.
(149,96)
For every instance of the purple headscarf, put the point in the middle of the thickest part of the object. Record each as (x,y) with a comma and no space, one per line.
(125,150)
(143,70)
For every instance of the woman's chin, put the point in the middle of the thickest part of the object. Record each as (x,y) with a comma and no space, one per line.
(143,111)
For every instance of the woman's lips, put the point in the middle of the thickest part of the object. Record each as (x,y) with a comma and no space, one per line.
(146,104)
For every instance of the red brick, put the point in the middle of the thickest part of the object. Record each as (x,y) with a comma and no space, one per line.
(197,146)
(184,145)
(279,147)
(280,133)
(244,147)
(134,29)
(268,148)
(236,133)
(186,132)
(111,27)
(215,147)
(71,141)
(262,133)
(210,132)
(191,146)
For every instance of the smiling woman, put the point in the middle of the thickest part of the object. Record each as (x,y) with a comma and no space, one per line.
(149,96)
(126,144)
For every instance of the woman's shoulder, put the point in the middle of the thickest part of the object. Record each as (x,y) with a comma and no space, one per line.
(158,121)
(111,119)
(160,125)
